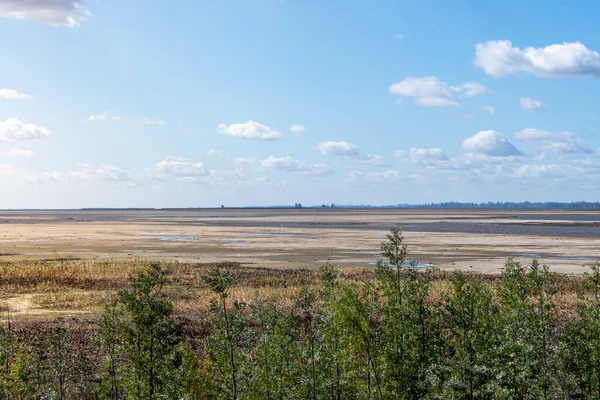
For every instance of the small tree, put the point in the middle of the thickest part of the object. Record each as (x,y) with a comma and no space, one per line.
(220,283)
(580,345)
(138,323)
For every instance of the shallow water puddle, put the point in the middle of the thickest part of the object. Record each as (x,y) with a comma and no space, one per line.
(235,241)
(170,238)
(567,258)
(408,264)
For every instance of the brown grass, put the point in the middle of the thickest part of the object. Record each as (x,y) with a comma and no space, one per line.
(87,284)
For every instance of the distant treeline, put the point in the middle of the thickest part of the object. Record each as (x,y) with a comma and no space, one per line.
(450,205)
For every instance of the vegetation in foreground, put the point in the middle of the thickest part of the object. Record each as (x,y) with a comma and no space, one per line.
(396,332)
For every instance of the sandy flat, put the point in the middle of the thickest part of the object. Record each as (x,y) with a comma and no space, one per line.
(467,240)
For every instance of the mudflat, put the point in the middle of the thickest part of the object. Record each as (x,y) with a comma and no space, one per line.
(472,240)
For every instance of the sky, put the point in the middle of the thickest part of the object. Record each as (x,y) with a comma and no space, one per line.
(200,103)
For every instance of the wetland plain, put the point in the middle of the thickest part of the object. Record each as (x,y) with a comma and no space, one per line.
(471,240)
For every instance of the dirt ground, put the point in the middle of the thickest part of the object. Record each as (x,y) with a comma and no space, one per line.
(466,240)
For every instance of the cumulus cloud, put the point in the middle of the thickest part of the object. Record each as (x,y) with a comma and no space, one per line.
(11,94)
(12,129)
(213,152)
(499,58)
(531,104)
(341,148)
(362,178)
(244,160)
(17,152)
(429,91)
(52,177)
(471,89)
(367,159)
(488,109)
(556,142)
(291,164)
(150,121)
(52,12)
(546,171)
(298,129)
(490,143)
(177,167)
(112,173)
(102,117)
(430,156)
(249,130)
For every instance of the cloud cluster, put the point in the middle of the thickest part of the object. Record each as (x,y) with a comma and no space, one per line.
(249,130)
(488,109)
(422,156)
(490,143)
(12,130)
(340,148)
(429,91)
(177,167)
(17,152)
(102,117)
(52,12)
(531,104)
(291,164)
(11,94)
(558,142)
(499,58)
(298,129)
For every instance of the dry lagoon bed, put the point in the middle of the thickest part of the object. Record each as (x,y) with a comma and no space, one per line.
(459,239)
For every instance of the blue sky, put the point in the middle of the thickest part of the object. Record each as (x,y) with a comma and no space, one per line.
(258,102)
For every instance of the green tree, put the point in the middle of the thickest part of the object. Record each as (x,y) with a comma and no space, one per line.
(140,341)
(580,345)
(474,325)
(224,340)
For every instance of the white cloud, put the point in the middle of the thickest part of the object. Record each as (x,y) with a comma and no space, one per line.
(470,117)
(367,159)
(488,109)
(103,117)
(213,152)
(112,173)
(52,177)
(490,143)
(298,129)
(244,160)
(17,152)
(499,59)
(398,36)
(338,148)
(149,121)
(362,178)
(530,104)
(177,167)
(11,94)
(12,129)
(291,164)
(429,91)
(422,156)
(249,130)
(546,171)
(559,142)
(471,89)
(52,12)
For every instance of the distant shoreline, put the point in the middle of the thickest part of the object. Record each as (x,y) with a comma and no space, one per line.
(556,206)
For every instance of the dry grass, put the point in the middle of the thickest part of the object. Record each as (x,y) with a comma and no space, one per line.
(71,300)
(87,284)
